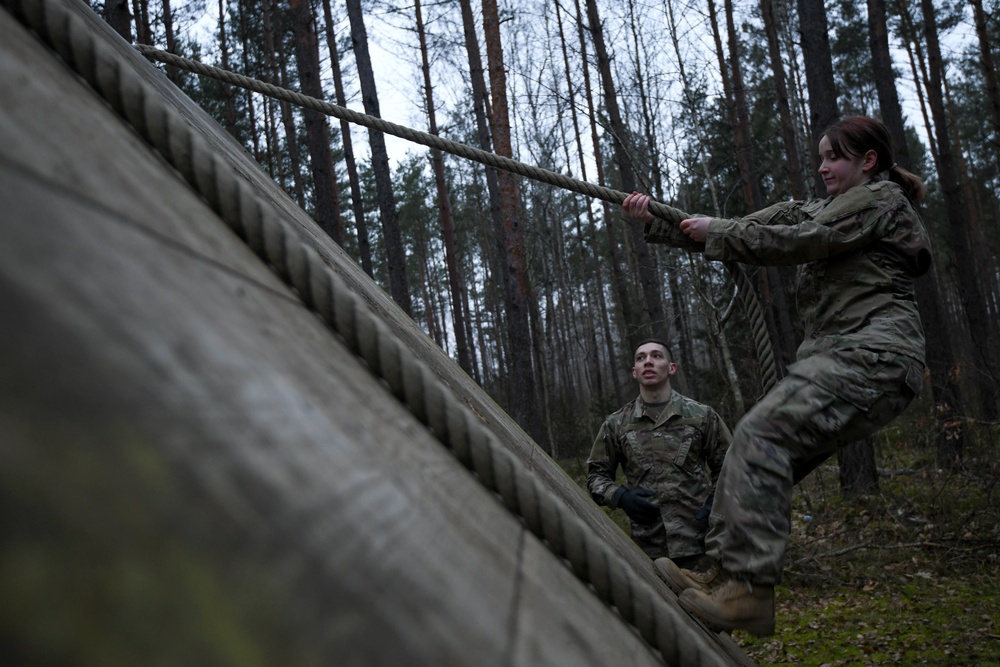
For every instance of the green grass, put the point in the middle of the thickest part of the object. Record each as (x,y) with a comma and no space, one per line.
(908,576)
(903,619)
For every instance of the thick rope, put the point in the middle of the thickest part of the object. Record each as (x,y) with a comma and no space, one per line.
(758,327)
(748,295)
(593,561)
(658,209)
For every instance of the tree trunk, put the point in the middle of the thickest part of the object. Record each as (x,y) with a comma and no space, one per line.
(694,107)
(325,197)
(885,81)
(357,203)
(858,473)
(517,292)
(494,250)
(444,207)
(773,299)
(815,40)
(593,257)
(291,131)
(798,186)
(244,39)
(680,345)
(654,322)
(117,15)
(740,118)
(173,74)
(961,236)
(918,69)
(940,354)
(617,276)
(228,108)
(989,68)
(143,31)
(277,66)
(395,256)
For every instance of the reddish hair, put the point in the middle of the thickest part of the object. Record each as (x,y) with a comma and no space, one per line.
(856,135)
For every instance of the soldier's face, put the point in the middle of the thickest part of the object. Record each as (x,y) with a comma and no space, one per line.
(840,173)
(652,365)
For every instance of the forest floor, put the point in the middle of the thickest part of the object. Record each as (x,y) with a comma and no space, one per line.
(909,575)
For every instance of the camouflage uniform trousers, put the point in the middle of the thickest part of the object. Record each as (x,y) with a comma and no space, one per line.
(827,401)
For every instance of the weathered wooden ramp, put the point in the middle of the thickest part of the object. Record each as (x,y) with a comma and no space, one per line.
(195,470)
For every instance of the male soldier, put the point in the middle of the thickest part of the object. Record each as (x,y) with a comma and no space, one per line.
(663,442)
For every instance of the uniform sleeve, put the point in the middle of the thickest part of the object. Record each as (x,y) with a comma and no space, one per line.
(799,232)
(717,441)
(602,466)
(669,233)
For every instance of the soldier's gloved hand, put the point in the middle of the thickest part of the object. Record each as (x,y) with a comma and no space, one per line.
(701,518)
(634,502)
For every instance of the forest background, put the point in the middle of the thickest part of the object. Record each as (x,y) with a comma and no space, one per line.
(541,294)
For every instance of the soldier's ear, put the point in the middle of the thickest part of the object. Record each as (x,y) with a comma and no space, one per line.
(869,161)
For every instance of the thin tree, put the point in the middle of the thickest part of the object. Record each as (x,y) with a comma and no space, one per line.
(654,321)
(143,30)
(626,312)
(444,205)
(357,203)
(986,62)
(276,63)
(325,198)
(786,122)
(716,316)
(593,258)
(651,156)
(962,238)
(173,74)
(815,42)
(395,257)
(782,336)
(517,292)
(490,237)
(918,69)
(251,106)
(940,353)
(228,107)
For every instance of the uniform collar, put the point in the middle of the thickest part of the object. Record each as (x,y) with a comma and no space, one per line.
(669,409)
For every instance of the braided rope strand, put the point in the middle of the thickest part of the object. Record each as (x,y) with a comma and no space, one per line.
(322,290)
(664,211)
(758,328)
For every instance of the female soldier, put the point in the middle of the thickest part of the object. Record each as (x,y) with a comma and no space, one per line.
(861,362)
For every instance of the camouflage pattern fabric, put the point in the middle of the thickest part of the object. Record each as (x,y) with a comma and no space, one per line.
(827,401)
(860,364)
(859,252)
(677,453)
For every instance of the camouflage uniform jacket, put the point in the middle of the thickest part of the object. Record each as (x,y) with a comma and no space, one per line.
(668,454)
(859,253)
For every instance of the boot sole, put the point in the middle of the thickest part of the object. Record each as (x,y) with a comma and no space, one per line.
(678,583)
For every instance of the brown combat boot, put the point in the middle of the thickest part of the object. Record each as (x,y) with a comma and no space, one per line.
(735,605)
(680,579)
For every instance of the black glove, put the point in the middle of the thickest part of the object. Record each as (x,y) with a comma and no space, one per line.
(701,518)
(634,502)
